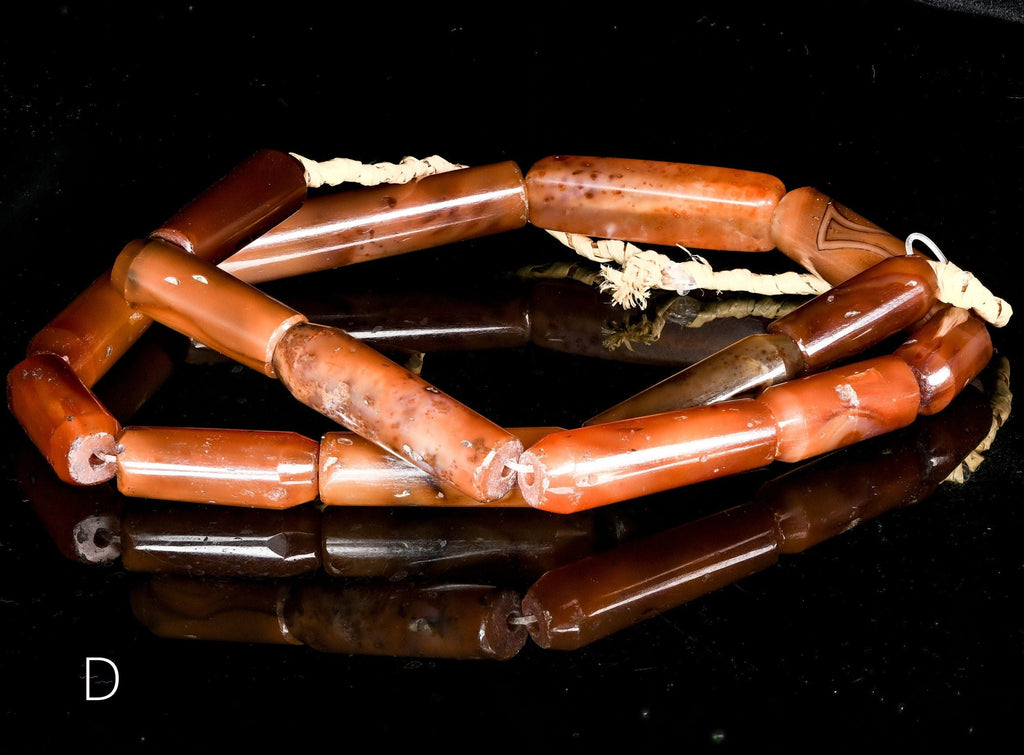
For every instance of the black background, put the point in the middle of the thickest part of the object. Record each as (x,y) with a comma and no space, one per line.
(902,632)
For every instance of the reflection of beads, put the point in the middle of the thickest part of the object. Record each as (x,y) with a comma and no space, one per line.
(172,278)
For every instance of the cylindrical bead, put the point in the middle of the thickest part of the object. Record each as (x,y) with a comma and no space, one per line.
(63,418)
(592,466)
(827,238)
(92,332)
(98,326)
(443,621)
(357,472)
(862,311)
(254,468)
(223,542)
(343,379)
(845,405)
(580,603)
(256,195)
(396,544)
(346,227)
(946,353)
(654,202)
(203,302)
(748,365)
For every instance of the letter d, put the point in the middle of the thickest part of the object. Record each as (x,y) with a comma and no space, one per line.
(88,679)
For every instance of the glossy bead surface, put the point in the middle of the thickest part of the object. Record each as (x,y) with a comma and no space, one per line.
(357,472)
(252,198)
(654,202)
(862,311)
(412,621)
(946,353)
(592,466)
(838,407)
(220,542)
(63,419)
(828,238)
(203,302)
(350,226)
(343,379)
(260,469)
(98,326)
(580,603)
(748,365)
(92,332)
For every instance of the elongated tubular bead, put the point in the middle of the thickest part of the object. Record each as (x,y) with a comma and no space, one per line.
(98,326)
(196,298)
(431,621)
(226,542)
(945,354)
(601,464)
(255,468)
(63,419)
(742,368)
(861,312)
(654,202)
(579,469)
(357,472)
(580,603)
(247,202)
(347,227)
(828,238)
(343,379)
(395,544)
(885,299)
(842,406)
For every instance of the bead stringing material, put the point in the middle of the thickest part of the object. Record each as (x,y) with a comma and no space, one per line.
(172,277)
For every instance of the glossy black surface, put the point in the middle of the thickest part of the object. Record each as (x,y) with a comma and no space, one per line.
(901,633)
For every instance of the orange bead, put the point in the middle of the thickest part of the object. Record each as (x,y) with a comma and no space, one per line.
(654,202)
(828,238)
(946,353)
(193,297)
(346,227)
(356,472)
(596,465)
(98,326)
(64,420)
(260,469)
(845,405)
(342,378)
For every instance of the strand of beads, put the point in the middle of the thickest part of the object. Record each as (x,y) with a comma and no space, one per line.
(164,278)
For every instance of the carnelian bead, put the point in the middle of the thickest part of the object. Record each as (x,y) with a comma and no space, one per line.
(654,202)
(355,225)
(257,468)
(63,418)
